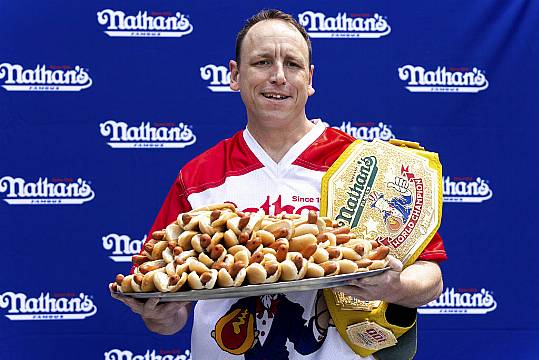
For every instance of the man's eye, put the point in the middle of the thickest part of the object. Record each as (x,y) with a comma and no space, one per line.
(292,64)
(262,62)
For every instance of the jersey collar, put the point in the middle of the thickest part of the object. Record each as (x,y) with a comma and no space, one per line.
(280,168)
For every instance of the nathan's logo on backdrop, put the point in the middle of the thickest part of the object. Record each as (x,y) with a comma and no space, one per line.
(159,135)
(56,306)
(56,191)
(452,80)
(116,354)
(219,76)
(144,24)
(122,246)
(318,25)
(461,301)
(44,78)
(366,131)
(466,189)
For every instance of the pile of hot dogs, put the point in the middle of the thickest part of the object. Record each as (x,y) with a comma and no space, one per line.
(218,246)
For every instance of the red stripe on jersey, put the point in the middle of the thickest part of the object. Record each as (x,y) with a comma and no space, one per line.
(318,157)
(230,157)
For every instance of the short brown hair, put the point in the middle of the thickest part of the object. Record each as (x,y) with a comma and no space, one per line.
(270,14)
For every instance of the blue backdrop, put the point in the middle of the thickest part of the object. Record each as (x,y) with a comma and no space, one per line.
(101,103)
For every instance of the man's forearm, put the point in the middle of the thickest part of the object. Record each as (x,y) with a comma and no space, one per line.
(420,284)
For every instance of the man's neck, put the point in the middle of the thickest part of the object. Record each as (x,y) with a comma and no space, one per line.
(277,141)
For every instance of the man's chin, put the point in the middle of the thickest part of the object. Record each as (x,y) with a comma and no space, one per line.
(274,118)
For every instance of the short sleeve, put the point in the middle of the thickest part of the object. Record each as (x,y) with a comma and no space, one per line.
(175,203)
(435,250)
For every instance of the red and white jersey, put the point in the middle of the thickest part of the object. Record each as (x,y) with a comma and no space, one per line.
(238,170)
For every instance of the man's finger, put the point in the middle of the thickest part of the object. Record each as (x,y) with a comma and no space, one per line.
(344,289)
(150,305)
(173,306)
(117,296)
(394,263)
(135,305)
(368,281)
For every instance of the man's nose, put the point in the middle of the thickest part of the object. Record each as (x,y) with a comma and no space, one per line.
(278,76)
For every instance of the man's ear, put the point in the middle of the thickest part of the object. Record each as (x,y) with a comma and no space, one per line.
(310,89)
(234,75)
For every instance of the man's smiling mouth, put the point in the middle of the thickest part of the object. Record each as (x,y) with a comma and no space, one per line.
(274,96)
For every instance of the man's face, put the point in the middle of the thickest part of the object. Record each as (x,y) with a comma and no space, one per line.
(274,77)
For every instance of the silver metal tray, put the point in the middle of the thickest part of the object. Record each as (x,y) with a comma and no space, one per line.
(256,290)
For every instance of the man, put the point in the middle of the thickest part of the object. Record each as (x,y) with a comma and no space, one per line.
(275,164)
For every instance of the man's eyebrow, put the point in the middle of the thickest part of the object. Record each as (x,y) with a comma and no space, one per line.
(294,58)
(262,54)
(267,54)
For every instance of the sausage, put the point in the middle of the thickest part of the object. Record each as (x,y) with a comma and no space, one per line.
(158,235)
(235,269)
(309,251)
(205,277)
(379,253)
(256,257)
(186,219)
(217,251)
(119,279)
(282,250)
(215,215)
(139,259)
(329,267)
(244,220)
(312,217)
(205,240)
(271,268)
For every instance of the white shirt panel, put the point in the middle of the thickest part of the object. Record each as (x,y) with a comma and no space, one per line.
(275,188)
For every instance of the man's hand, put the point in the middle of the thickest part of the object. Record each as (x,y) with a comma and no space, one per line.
(412,287)
(165,319)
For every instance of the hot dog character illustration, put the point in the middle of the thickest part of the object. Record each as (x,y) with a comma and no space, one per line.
(260,327)
(235,331)
(396,210)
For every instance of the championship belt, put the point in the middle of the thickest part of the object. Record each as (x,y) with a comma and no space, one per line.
(390,193)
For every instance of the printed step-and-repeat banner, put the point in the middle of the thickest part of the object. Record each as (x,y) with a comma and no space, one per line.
(101,103)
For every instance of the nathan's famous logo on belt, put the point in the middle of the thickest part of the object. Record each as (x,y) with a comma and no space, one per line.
(461,302)
(363,180)
(56,191)
(399,214)
(175,354)
(169,135)
(122,246)
(56,306)
(366,130)
(145,24)
(44,78)
(452,80)
(219,76)
(355,25)
(385,193)
(466,189)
